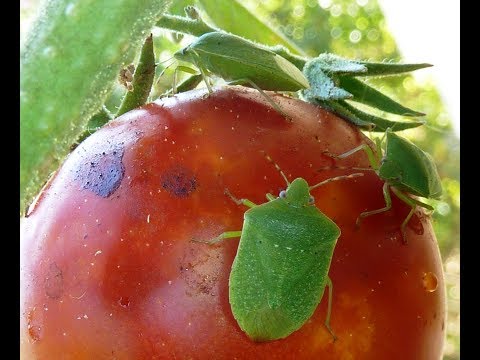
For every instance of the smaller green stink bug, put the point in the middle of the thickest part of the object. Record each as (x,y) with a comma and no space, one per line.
(406,169)
(242,62)
(281,268)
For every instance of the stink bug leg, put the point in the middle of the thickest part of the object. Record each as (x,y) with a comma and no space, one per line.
(255,86)
(329,308)
(388,205)
(225,235)
(245,202)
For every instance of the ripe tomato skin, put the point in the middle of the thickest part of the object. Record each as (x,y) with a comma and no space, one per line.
(110,268)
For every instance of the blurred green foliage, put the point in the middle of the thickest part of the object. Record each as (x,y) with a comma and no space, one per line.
(356,29)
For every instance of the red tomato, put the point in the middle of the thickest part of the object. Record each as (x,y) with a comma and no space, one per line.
(110,268)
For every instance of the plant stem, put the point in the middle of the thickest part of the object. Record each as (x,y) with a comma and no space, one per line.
(184,25)
(142,79)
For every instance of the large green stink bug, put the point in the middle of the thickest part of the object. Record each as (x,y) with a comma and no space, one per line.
(242,62)
(406,169)
(281,268)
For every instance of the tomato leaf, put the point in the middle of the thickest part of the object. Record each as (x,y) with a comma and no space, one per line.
(367,121)
(367,95)
(233,17)
(62,84)
(376,69)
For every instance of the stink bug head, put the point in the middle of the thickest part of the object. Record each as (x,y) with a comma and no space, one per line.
(298,193)
(184,54)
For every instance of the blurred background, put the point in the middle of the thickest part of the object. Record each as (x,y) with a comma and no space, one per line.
(409,31)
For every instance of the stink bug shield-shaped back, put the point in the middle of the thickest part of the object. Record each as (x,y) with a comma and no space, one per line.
(281,268)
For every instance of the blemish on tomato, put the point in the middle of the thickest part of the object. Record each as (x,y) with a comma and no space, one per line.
(54,282)
(103,173)
(179,181)
(33,326)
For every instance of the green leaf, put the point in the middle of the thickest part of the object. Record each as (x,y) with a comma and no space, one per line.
(68,64)
(375,69)
(367,95)
(346,114)
(233,17)
(367,121)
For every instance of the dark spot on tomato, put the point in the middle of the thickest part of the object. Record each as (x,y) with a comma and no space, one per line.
(179,181)
(103,173)
(54,282)
(34,325)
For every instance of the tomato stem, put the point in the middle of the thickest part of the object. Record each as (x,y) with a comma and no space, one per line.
(184,25)
(142,79)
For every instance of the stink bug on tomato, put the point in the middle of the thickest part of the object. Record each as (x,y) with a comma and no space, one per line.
(281,268)
(242,62)
(406,169)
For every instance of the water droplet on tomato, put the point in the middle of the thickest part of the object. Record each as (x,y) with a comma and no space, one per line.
(430,282)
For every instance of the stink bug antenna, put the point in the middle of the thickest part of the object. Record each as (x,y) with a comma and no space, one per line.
(164,69)
(341,177)
(166,60)
(276,167)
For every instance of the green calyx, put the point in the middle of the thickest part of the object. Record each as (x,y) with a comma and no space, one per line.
(333,80)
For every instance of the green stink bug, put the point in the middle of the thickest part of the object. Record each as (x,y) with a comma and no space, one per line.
(406,169)
(281,268)
(241,62)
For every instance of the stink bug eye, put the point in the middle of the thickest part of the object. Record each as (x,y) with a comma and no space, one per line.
(283,194)
(311,200)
